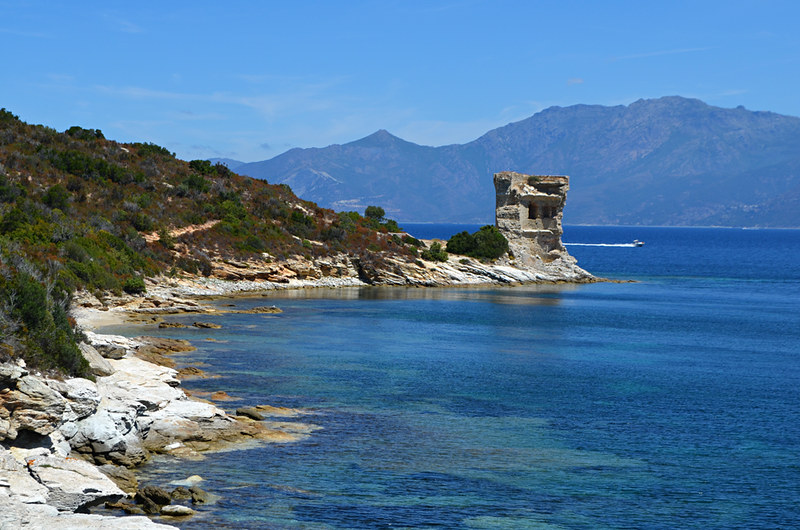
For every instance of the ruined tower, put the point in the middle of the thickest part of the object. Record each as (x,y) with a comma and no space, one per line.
(528,213)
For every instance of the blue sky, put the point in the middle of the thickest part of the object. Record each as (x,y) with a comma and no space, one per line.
(249,80)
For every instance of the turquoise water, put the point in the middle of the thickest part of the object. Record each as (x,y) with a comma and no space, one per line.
(670,402)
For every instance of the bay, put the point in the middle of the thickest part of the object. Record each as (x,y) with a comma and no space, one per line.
(668,402)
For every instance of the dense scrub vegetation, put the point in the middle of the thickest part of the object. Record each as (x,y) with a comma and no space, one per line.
(486,243)
(75,207)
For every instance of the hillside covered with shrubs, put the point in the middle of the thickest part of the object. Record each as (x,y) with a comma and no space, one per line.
(79,211)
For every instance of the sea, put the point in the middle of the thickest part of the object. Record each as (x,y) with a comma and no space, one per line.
(669,400)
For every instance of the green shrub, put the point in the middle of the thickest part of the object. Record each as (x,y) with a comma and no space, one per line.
(90,167)
(142,222)
(197,182)
(166,239)
(134,285)
(411,240)
(490,243)
(462,243)
(435,253)
(486,243)
(84,134)
(8,191)
(7,116)
(203,167)
(57,197)
(253,243)
(149,149)
(46,331)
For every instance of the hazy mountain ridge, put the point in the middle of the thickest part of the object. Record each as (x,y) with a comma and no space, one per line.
(667,161)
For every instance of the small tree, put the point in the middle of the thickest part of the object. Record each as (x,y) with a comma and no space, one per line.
(375,212)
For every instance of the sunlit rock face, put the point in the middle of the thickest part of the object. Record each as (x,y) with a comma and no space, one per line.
(528,212)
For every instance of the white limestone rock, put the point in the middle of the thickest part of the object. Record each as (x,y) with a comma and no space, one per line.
(111,435)
(136,380)
(72,483)
(19,515)
(17,484)
(112,346)
(97,363)
(81,395)
(27,403)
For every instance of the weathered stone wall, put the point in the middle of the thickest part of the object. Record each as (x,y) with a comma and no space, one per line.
(528,213)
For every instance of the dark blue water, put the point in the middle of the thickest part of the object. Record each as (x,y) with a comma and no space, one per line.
(671,402)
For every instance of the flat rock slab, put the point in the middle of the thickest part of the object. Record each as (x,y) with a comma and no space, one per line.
(138,380)
(19,515)
(72,483)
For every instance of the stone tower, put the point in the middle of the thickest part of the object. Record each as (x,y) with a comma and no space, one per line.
(528,214)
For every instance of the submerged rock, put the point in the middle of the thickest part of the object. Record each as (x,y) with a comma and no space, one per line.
(206,325)
(258,310)
(154,493)
(250,412)
(123,477)
(177,510)
(127,507)
(200,496)
(181,493)
(164,325)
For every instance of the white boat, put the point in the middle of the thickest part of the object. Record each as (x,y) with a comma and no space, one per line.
(638,243)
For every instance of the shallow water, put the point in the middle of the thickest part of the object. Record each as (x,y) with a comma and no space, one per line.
(670,402)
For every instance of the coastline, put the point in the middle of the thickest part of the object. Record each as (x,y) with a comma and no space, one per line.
(93,432)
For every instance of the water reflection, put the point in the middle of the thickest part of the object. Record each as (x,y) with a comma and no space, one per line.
(546,294)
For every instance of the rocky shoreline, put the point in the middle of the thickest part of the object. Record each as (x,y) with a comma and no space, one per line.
(67,446)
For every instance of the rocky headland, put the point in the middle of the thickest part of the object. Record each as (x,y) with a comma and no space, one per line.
(68,445)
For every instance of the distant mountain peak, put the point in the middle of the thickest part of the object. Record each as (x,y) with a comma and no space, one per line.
(665,161)
(380,138)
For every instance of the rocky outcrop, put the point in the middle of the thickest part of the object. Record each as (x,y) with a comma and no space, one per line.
(27,404)
(72,484)
(335,266)
(40,489)
(97,363)
(60,431)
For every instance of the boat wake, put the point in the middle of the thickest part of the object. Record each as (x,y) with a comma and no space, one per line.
(624,245)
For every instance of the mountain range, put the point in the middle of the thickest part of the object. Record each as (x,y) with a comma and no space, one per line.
(667,161)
